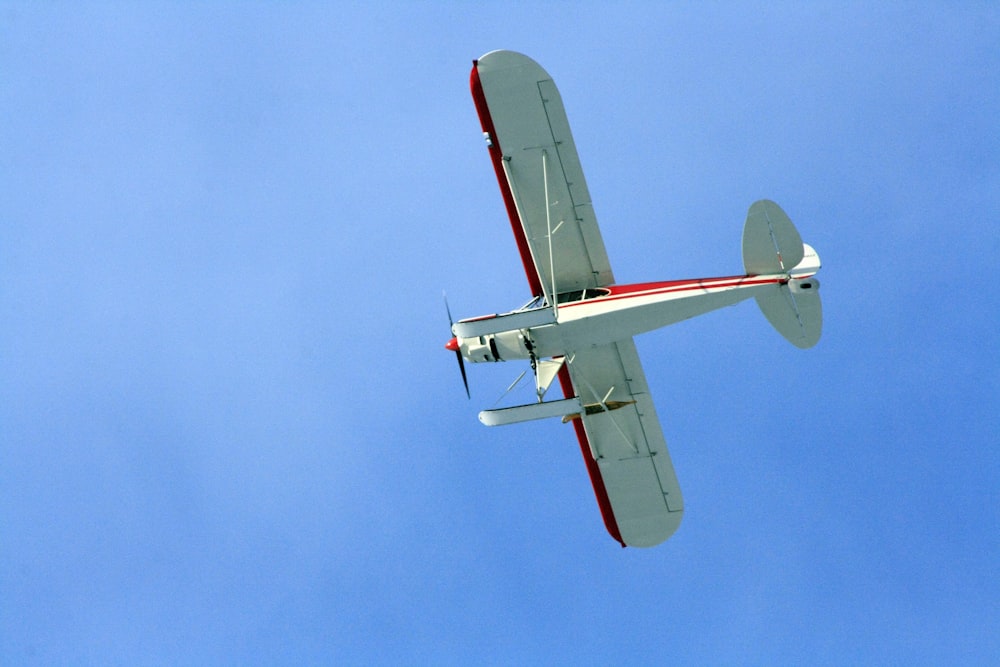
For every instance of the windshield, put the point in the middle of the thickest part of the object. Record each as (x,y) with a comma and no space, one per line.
(566,297)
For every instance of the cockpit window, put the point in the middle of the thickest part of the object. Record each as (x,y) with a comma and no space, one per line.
(582,295)
(567,297)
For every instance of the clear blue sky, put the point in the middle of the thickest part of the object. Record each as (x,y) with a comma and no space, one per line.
(229,432)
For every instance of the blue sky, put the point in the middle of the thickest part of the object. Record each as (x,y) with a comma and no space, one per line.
(229,432)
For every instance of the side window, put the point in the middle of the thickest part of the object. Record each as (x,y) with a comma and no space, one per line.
(582,295)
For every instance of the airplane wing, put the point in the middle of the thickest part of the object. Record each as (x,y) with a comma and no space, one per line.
(533,154)
(635,483)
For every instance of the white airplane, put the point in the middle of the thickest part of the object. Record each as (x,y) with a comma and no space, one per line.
(579,324)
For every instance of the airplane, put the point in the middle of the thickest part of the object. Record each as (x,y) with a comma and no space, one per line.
(579,324)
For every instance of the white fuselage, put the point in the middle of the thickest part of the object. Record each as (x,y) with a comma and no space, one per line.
(616,313)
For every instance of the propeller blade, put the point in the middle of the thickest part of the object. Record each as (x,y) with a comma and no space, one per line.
(461,367)
(444,295)
(453,345)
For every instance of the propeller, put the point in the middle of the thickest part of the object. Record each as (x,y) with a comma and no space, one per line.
(453,346)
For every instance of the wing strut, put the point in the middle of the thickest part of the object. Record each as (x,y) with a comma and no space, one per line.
(606,407)
(548,226)
(545,373)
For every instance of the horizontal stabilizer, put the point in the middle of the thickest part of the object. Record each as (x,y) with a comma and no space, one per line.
(771,244)
(523,413)
(795,311)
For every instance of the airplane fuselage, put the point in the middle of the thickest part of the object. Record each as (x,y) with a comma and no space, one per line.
(613,313)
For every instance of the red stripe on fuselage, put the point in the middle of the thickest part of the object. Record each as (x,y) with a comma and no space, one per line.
(618,292)
(496,156)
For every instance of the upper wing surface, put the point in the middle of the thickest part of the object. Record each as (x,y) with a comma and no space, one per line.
(627,443)
(533,153)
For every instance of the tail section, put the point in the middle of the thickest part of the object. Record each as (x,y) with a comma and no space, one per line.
(795,311)
(771,244)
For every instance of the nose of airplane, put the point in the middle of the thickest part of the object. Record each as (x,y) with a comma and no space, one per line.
(452,345)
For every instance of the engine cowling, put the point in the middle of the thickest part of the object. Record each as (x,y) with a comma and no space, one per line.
(502,346)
